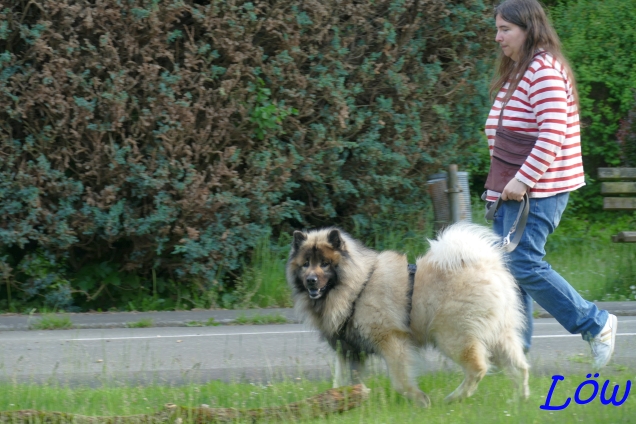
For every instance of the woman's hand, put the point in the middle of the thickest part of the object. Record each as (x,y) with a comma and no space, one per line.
(514,190)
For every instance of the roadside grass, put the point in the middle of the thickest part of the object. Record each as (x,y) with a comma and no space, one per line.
(581,251)
(494,402)
(51,322)
(142,323)
(598,268)
(263,282)
(211,322)
(260,319)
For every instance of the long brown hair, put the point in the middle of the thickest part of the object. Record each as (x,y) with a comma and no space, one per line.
(529,16)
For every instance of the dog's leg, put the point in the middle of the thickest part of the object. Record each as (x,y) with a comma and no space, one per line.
(510,355)
(348,371)
(357,371)
(342,374)
(473,360)
(523,382)
(398,354)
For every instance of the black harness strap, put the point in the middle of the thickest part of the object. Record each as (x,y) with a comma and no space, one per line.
(343,327)
(409,305)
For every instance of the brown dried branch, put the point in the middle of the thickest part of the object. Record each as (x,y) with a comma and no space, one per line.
(332,401)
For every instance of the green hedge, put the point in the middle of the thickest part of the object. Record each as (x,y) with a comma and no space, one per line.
(148,145)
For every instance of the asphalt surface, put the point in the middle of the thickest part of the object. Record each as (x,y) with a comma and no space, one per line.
(257,354)
(195,318)
(107,348)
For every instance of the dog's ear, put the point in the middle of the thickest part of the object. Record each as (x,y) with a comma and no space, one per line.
(335,239)
(299,238)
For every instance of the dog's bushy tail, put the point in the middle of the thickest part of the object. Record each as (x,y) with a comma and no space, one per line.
(464,244)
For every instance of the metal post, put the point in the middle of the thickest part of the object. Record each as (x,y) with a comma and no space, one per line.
(453,193)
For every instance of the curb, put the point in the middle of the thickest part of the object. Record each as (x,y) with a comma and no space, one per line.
(203,318)
(620,309)
(195,318)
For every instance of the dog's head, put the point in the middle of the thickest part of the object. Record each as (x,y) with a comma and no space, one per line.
(314,260)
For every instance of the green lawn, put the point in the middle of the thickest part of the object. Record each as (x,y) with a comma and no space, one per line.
(494,401)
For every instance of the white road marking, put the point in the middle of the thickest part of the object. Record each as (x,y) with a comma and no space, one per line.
(539,323)
(92,339)
(555,336)
(186,335)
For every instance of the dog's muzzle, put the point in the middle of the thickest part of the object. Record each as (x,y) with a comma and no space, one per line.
(316,293)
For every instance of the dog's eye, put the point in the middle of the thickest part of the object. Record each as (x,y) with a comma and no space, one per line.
(306,264)
(324,264)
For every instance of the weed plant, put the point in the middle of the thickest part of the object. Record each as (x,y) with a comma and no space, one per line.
(51,322)
(263,282)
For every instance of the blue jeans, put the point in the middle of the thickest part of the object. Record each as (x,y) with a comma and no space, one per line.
(536,278)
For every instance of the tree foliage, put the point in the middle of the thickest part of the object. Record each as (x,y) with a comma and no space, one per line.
(597,39)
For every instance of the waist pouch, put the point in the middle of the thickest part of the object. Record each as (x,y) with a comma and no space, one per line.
(510,151)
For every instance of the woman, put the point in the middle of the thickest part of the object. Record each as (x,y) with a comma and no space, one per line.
(536,99)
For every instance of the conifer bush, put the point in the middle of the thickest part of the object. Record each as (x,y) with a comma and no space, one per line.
(166,137)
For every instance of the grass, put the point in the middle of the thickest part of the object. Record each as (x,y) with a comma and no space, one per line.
(598,268)
(142,323)
(581,251)
(211,322)
(51,322)
(243,319)
(494,401)
(257,319)
(263,283)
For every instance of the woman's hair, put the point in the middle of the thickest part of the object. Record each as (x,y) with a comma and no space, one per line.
(530,17)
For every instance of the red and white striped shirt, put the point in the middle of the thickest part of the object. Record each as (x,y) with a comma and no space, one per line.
(543,106)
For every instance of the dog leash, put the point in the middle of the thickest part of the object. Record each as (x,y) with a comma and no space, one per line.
(517,227)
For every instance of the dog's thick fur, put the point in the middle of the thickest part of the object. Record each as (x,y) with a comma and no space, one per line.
(464,302)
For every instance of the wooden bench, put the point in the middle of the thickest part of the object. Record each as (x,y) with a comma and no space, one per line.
(620,184)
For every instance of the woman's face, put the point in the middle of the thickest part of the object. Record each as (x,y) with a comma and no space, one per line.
(510,37)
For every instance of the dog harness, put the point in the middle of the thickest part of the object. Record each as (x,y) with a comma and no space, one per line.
(409,294)
(409,304)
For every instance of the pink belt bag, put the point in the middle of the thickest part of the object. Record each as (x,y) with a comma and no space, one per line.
(509,152)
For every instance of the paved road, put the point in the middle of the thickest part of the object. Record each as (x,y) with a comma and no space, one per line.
(257,354)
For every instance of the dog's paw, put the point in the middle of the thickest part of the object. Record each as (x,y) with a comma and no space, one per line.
(454,397)
(525,394)
(422,399)
(365,389)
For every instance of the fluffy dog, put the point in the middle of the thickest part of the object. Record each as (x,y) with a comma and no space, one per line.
(462,300)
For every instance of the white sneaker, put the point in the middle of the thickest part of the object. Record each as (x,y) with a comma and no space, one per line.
(603,344)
